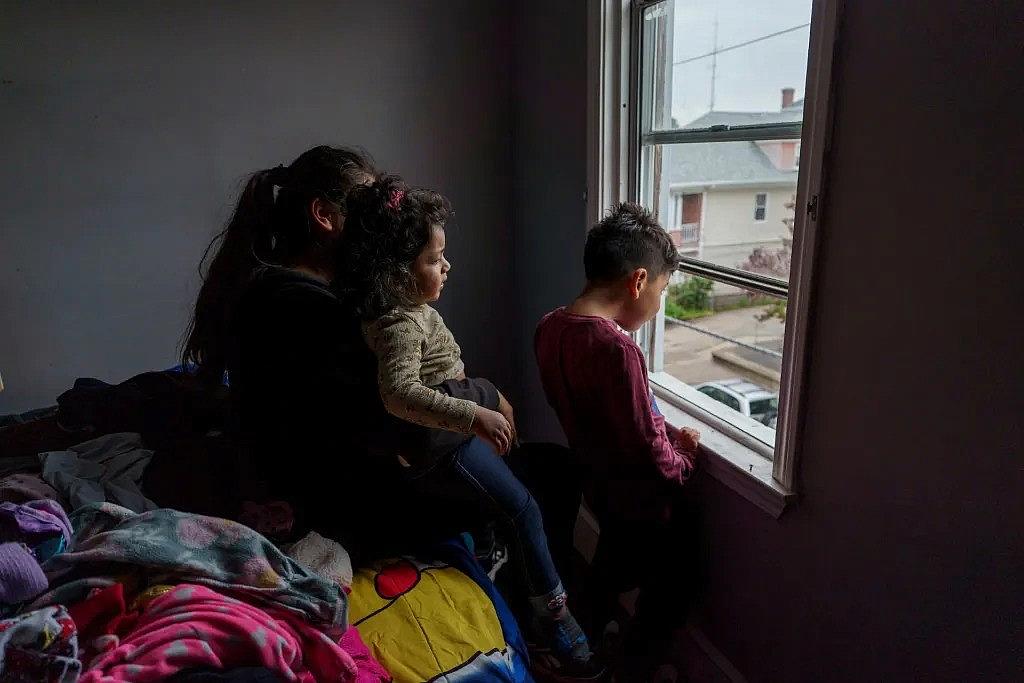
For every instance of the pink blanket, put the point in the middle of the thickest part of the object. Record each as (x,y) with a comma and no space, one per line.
(193,626)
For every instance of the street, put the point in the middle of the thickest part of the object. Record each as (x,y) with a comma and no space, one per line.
(694,357)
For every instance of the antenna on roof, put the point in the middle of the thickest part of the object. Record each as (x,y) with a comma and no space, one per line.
(714,61)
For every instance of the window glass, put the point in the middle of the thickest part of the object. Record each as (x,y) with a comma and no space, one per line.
(721,115)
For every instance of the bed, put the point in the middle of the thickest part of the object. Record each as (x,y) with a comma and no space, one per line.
(433,617)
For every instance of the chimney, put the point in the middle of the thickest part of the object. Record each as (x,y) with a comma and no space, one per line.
(787,97)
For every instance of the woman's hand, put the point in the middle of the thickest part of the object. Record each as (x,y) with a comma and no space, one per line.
(505,408)
(492,427)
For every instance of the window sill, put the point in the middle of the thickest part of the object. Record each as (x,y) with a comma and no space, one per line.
(742,468)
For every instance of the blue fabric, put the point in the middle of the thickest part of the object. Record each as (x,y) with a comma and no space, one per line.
(654,406)
(192,368)
(456,554)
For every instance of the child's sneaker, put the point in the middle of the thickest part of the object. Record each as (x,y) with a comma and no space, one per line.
(497,560)
(561,649)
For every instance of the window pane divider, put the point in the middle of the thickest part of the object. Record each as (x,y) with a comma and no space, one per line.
(754,133)
(753,282)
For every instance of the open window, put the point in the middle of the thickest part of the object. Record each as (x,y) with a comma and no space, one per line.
(713,103)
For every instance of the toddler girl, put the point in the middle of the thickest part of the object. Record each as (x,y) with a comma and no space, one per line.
(394,268)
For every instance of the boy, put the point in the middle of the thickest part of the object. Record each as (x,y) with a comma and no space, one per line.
(595,378)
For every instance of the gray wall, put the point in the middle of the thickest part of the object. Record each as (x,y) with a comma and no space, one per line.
(902,560)
(127,128)
(549,210)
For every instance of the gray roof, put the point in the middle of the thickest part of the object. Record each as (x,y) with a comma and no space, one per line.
(721,162)
(729,162)
(794,113)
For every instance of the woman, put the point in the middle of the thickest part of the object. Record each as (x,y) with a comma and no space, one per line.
(306,409)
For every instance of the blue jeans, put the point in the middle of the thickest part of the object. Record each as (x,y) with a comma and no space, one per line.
(475,481)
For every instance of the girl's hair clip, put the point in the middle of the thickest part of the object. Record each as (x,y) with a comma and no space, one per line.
(396,199)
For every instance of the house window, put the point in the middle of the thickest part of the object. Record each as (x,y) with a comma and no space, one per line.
(714,95)
(760,206)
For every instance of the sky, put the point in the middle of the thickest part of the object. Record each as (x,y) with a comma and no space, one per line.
(749,78)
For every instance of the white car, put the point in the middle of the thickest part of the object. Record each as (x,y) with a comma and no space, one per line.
(744,397)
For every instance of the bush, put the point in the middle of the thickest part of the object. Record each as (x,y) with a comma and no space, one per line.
(674,310)
(694,294)
(776,309)
(690,299)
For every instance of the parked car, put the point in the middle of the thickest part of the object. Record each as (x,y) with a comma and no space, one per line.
(744,397)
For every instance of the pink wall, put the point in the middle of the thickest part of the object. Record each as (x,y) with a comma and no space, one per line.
(903,558)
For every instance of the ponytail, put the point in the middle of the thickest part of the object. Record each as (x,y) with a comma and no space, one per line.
(269,227)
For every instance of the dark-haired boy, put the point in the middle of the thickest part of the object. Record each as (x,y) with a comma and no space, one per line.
(595,378)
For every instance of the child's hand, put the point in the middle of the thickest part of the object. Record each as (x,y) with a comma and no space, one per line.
(687,439)
(505,408)
(492,427)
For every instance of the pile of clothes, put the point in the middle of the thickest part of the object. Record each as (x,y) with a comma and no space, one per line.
(111,442)
(114,595)
(124,588)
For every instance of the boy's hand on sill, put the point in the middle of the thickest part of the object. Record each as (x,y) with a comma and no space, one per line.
(686,439)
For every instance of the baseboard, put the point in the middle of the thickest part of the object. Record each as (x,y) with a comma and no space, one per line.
(714,655)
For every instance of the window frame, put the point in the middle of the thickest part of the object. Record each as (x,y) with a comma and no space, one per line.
(614,54)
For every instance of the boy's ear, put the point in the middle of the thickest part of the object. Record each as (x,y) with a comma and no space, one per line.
(637,282)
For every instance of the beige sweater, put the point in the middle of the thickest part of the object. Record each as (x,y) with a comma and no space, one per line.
(415,351)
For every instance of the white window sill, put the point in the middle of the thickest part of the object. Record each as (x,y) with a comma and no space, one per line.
(743,467)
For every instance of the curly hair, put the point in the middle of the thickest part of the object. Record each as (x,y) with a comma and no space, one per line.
(387,226)
(629,237)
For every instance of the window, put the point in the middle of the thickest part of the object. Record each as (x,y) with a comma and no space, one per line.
(693,106)
(760,206)
(764,409)
(730,401)
(697,105)
(721,111)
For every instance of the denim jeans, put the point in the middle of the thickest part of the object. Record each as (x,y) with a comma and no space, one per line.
(474,482)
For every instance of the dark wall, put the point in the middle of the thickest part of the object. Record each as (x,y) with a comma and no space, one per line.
(549,207)
(127,128)
(902,559)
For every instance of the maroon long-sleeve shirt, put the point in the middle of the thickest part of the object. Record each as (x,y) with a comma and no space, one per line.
(595,378)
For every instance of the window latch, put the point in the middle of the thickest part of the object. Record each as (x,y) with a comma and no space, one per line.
(812,207)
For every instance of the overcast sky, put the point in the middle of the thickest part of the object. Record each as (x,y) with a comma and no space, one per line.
(749,78)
